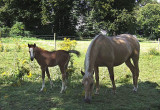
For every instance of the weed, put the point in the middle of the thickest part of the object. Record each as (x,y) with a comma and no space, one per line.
(153,51)
(17,46)
(1,47)
(68,44)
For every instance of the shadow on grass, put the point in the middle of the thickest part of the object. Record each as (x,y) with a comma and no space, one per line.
(28,97)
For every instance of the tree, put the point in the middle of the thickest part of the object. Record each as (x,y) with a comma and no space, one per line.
(114,16)
(26,11)
(148,20)
(61,14)
(144,2)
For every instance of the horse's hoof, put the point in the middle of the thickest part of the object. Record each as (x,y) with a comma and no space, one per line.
(65,87)
(135,89)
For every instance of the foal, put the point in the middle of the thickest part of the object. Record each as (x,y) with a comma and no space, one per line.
(49,59)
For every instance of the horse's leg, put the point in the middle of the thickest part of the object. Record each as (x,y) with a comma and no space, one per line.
(43,77)
(132,68)
(135,61)
(97,79)
(62,68)
(111,72)
(47,71)
(66,66)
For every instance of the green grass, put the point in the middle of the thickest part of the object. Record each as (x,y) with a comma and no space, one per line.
(27,95)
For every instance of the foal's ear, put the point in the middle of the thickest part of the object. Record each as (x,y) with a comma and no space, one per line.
(34,45)
(82,73)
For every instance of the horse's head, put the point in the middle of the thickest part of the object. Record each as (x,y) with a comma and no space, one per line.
(32,51)
(88,83)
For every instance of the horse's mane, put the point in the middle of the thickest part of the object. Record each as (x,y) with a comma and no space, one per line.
(41,49)
(88,58)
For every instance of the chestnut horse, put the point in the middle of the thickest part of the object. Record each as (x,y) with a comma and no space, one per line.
(110,52)
(49,59)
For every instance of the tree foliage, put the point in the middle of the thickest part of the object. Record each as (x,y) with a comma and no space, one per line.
(114,16)
(148,20)
(84,18)
(60,13)
(26,11)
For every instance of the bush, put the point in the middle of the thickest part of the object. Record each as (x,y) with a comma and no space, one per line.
(153,51)
(16,76)
(68,44)
(1,47)
(27,33)
(4,31)
(18,29)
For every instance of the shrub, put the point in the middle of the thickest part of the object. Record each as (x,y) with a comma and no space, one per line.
(17,46)
(153,51)
(4,31)
(16,76)
(17,29)
(6,49)
(68,44)
(1,47)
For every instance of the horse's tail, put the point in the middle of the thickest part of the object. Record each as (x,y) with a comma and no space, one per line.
(75,52)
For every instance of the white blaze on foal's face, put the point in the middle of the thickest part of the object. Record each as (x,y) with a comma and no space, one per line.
(31,51)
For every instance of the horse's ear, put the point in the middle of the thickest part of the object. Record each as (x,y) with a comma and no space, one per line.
(34,45)
(28,45)
(82,73)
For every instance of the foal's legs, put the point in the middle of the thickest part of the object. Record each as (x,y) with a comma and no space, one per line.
(97,79)
(43,77)
(66,66)
(111,72)
(63,71)
(47,71)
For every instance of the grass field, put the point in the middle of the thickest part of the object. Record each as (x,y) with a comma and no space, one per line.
(26,95)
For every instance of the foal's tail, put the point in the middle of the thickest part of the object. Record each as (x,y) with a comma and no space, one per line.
(75,52)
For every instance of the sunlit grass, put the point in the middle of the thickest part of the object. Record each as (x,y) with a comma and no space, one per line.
(27,95)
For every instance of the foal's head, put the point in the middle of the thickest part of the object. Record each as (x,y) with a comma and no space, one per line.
(88,83)
(32,51)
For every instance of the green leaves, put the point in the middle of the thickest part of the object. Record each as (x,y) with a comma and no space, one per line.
(17,29)
(148,20)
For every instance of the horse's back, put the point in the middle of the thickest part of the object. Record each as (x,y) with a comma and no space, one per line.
(116,50)
(133,42)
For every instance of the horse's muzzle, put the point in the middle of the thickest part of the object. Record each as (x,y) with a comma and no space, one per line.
(32,59)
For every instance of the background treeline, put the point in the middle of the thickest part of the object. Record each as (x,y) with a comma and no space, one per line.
(80,18)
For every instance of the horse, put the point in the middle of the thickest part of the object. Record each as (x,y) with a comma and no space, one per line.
(50,59)
(109,52)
